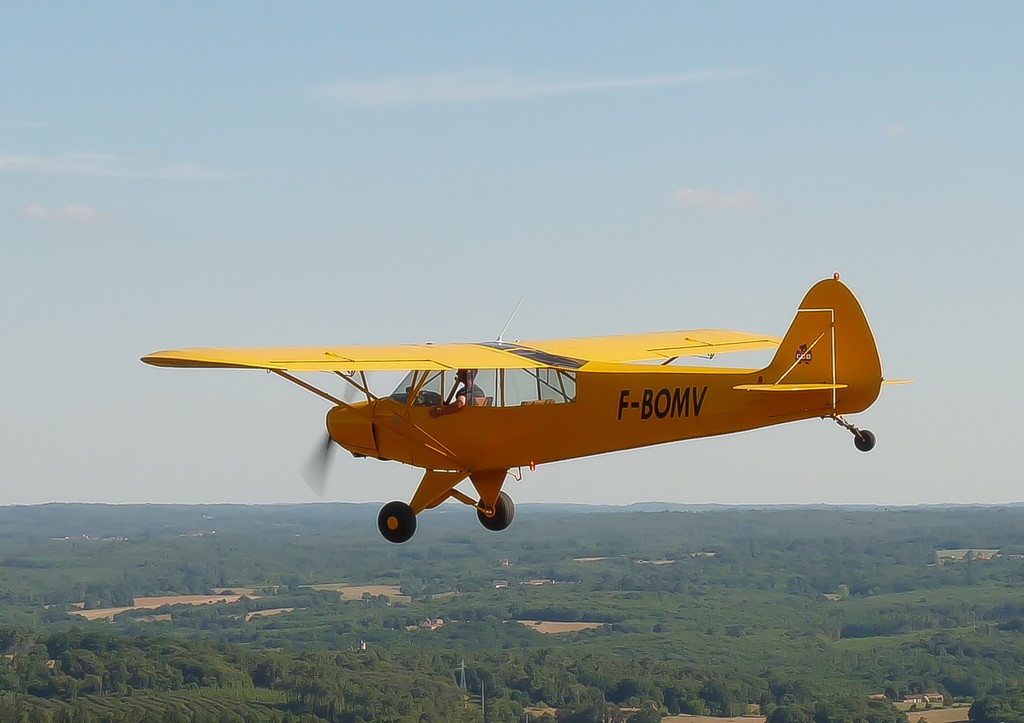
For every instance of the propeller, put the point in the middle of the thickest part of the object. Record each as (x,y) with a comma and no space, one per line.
(317,466)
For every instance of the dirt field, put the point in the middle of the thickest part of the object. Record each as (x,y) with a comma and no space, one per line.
(267,613)
(152,603)
(941,715)
(712,719)
(355,592)
(536,712)
(551,628)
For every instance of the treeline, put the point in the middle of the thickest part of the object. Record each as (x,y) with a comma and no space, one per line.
(84,675)
(79,675)
(1005,708)
(150,550)
(794,610)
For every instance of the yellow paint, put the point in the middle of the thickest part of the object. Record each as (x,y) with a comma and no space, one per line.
(826,364)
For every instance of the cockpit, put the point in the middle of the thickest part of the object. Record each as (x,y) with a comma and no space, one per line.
(501,387)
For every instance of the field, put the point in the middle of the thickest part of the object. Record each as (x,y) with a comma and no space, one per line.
(961,554)
(713,719)
(152,603)
(356,592)
(548,627)
(798,607)
(939,715)
(267,613)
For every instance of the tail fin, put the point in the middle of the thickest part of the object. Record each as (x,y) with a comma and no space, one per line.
(829,347)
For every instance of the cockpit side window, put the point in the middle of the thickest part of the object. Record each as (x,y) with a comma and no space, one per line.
(523,387)
(501,387)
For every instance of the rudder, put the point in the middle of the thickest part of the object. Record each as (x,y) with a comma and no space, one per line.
(829,343)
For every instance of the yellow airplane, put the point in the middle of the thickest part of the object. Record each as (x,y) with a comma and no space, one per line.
(485,410)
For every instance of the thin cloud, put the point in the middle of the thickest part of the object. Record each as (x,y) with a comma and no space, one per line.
(73,214)
(481,87)
(896,129)
(105,165)
(729,201)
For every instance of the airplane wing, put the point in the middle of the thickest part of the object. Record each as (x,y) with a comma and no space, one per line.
(562,353)
(662,345)
(399,357)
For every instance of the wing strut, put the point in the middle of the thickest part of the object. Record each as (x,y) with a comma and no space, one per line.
(309,387)
(360,385)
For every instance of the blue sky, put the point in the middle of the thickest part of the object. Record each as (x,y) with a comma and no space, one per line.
(266,174)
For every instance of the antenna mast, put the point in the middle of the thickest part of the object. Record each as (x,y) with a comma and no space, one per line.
(501,334)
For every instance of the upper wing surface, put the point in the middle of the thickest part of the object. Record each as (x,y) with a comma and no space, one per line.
(570,353)
(401,357)
(658,345)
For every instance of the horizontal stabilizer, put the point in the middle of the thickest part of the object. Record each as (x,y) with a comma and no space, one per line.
(788,387)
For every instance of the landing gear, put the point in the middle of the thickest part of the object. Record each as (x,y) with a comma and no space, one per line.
(396,522)
(504,512)
(863,439)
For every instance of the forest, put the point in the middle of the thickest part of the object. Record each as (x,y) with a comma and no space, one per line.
(575,613)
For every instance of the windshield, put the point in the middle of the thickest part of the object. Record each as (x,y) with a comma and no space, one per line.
(428,386)
(500,387)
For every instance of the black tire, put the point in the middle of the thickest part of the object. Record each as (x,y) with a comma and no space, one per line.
(504,513)
(396,522)
(864,440)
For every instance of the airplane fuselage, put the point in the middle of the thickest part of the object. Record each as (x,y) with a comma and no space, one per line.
(616,407)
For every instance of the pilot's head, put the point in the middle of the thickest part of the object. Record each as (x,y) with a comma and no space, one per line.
(466,375)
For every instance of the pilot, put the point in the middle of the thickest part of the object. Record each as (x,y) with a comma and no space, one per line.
(467,393)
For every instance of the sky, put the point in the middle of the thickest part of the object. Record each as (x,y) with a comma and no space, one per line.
(269,174)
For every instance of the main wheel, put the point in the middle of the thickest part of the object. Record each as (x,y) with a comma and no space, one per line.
(504,512)
(396,522)
(864,440)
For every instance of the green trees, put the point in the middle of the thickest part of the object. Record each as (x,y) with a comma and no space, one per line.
(705,612)
(839,709)
(1005,708)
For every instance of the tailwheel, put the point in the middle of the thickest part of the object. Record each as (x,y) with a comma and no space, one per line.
(864,440)
(504,512)
(396,522)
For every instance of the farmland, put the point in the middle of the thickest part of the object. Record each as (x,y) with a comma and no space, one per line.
(152,603)
(547,627)
(356,592)
(939,715)
(711,612)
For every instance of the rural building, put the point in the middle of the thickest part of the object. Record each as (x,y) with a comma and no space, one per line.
(926,698)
